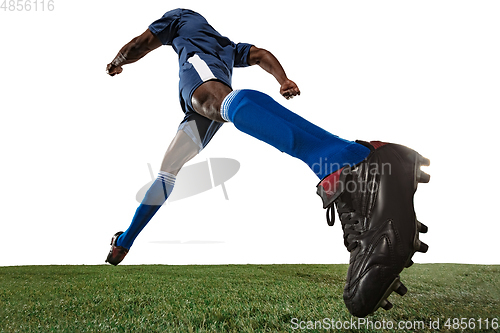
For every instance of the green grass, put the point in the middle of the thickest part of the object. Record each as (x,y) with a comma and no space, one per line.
(233,298)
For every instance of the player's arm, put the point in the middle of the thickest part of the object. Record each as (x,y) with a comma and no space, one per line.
(133,51)
(267,61)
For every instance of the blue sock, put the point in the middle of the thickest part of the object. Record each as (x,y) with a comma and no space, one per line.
(155,197)
(260,116)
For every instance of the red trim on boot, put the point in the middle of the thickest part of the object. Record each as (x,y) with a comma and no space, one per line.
(377,144)
(330,182)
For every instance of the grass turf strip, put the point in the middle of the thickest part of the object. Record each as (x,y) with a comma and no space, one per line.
(233,298)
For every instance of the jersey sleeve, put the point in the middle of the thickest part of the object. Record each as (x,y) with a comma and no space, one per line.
(166,27)
(241,56)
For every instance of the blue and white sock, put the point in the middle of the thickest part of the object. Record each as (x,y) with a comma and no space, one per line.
(155,197)
(260,116)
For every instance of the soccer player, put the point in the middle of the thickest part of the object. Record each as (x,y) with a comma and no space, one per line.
(371,183)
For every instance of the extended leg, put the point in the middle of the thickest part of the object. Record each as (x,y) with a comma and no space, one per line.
(260,116)
(371,184)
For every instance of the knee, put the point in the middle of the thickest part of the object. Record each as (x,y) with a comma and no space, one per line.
(207,99)
(172,168)
(173,164)
(211,108)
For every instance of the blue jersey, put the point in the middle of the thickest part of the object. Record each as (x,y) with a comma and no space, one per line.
(189,33)
(204,55)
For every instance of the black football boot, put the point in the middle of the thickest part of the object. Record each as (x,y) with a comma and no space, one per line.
(116,253)
(374,200)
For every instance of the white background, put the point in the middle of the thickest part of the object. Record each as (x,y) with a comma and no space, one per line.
(76,142)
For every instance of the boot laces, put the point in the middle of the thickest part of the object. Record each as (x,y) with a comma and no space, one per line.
(350,221)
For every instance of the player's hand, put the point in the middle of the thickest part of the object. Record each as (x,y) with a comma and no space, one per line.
(113,70)
(289,89)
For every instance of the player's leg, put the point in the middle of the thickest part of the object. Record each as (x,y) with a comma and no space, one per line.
(193,135)
(258,115)
(371,184)
(181,150)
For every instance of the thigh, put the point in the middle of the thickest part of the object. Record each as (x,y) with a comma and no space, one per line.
(194,133)
(199,128)
(181,150)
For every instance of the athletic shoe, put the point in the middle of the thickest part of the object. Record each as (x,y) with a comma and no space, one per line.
(374,200)
(117,253)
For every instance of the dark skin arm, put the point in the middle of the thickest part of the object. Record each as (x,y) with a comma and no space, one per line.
(268,62)
(147,42)
(133,51)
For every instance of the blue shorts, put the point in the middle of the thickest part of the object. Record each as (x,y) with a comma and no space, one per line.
(193,73)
